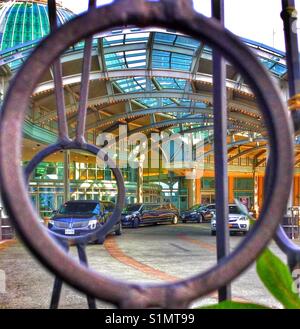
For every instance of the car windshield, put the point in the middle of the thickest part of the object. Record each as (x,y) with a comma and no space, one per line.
(234,210)
(152,207)
(79,208)
(132,208)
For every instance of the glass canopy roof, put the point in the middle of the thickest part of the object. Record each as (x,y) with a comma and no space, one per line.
(137,49)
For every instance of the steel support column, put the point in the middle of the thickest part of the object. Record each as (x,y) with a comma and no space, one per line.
(191,192)
(66,176)
(140,177)
(220,147)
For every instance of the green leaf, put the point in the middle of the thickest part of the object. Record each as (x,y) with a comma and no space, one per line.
(228,305)
(277,279)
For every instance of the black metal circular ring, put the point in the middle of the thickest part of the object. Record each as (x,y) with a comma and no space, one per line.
(175,14)
(103,230)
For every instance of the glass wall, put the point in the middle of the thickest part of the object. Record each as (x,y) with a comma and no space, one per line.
(87,182)
(244,190)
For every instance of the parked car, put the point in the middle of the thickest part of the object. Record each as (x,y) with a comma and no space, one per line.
(139,214)
(198,213)
(76,218)
(237,221)
(211,207)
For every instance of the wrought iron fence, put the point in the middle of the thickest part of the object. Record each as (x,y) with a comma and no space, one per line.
(177,15)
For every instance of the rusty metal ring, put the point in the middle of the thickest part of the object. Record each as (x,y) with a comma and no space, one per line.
(103,230)
(179,16)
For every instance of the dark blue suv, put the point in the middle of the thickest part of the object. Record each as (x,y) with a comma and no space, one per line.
(75,218)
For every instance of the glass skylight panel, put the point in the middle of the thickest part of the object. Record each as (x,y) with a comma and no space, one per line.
(167,60)
(149,102)
(128,85)
(181,62)
(156,102)
(266,62)
(207,53)
(279,69)
(167,101)
(113,40)
(188,103)
(164,38)
(160,59)
(171,83)
(273,65)
(115,61)
(141,81)
(200,105)
(135,59)
(132,84)
(185,102)
(136,37)
(187,42)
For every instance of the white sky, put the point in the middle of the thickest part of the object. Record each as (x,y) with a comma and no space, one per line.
(258,20)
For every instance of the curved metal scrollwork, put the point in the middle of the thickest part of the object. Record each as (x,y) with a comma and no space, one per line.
(172,14)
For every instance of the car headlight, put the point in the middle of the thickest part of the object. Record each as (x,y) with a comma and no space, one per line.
(50,222)
(92,224)
(243,218)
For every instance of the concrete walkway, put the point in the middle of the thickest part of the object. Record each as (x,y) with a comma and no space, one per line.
(147,254)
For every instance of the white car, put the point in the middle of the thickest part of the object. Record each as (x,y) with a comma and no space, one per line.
(237,222)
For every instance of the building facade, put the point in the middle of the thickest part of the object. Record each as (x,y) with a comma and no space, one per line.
(149,81)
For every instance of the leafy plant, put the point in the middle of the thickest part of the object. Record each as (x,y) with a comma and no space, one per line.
(274,274)
(229,305)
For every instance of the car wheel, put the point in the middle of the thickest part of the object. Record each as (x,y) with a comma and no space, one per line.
(175,220)
(100,240)
(213,233)
(118,231)
(136,223)
(200,219)
(184,221)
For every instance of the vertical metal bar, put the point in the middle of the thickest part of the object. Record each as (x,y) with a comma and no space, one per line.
(58,81)
(289,17)
(56,292)
(83,259)
(57,286)
(1,228)
(84,89)
(220,150)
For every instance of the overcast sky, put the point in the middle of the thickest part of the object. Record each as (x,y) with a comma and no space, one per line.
(258,20)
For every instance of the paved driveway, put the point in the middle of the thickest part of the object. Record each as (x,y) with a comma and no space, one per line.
(148,254)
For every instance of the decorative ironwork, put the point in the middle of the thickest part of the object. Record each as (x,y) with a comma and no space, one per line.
(180,16)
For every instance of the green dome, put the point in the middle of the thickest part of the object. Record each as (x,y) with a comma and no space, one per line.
(22,21)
